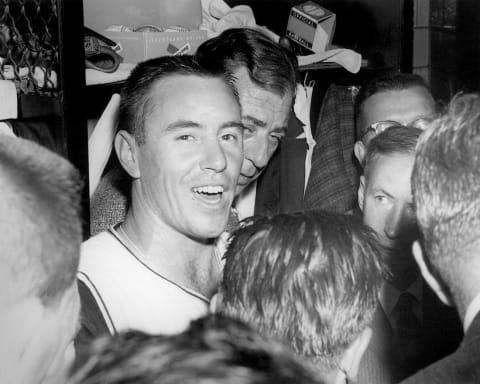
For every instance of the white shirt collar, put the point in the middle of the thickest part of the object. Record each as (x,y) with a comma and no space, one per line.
(472,310)
(6,129)
(245,202)
(301,108)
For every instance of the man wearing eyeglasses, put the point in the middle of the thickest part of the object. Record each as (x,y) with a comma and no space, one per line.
(411,328)
(399,98)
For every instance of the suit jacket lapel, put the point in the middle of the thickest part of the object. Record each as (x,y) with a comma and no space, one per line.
(280,187)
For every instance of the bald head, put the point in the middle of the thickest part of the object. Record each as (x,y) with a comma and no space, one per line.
(394,99)
(401,97)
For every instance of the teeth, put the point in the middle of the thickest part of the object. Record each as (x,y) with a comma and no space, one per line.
(210,189)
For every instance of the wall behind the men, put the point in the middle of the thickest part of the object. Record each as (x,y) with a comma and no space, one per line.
(447,45)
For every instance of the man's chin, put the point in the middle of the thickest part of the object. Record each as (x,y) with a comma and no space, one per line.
(402,273)
(209,228)
(400,250)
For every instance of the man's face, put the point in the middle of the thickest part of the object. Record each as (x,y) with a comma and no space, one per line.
(403,106)
(386,201)
(191,159)
(265,118)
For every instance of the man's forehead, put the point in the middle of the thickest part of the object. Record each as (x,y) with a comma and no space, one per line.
(174,85)
(391,170)
(403,106)
(266,110)
(178,90)
(253,94)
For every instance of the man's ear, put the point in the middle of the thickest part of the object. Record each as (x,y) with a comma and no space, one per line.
(359,151)
(353,355)
(361,192)
(419,256)
(127,152)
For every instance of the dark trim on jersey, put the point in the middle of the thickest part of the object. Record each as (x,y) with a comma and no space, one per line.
(91,299)
(113,232)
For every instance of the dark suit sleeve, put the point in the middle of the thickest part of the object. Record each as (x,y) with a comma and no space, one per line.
(333,181)
(374,368)
(280,187)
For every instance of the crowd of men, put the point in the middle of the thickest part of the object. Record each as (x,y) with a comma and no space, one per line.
(204,278)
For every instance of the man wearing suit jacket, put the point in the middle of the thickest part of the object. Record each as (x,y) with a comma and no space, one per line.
(401,98)
(446,190)
(411,327)
(317,170)
(265,78)
(342,131)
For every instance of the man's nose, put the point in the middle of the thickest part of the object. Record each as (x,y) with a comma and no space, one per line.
(213,156)
(399,222)
(258,153)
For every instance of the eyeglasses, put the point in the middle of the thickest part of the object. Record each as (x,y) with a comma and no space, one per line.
(380,126)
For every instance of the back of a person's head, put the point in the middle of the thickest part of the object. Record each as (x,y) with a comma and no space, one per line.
(270,66)
(39,222)
(390,82)
(146,76)
(396,140)
(39,251)
(310,279)
(215,349)
(446,190)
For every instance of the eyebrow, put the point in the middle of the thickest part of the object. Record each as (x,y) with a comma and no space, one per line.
(262,124)
(181,124)
(381,190)
(233,124)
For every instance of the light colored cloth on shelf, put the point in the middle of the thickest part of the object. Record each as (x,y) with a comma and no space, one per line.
(301,108)
(347,58)
(8,95)
(6,129)
(100,142)
(218,16)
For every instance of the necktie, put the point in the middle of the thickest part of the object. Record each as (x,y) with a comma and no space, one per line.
(406,323)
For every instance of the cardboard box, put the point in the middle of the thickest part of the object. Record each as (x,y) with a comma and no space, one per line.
(311,26)
(135,47)
(100,14)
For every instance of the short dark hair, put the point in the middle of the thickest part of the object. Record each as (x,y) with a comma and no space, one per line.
(214,349)
(389,82)
(310,279)
(397,139)
(134,105)
(270,66)
(446,187)
(40,220)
